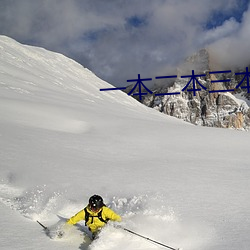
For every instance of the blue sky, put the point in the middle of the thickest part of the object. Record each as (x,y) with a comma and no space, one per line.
(218,17)
(118,39)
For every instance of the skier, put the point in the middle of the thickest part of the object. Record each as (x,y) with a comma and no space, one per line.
(95,214)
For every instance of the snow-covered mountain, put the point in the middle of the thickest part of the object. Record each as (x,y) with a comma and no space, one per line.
(207,107)
(62,140)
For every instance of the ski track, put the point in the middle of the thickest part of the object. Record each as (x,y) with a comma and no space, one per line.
(145,214)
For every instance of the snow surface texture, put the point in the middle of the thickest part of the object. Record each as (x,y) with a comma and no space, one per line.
(63,140)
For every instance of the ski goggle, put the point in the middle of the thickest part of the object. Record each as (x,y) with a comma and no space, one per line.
(94,208)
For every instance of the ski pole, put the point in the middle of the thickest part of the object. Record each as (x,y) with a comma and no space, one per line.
(146,238)
(45,228)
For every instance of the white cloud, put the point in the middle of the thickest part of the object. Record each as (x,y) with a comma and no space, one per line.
(97,33)
(233,49)
(225,30)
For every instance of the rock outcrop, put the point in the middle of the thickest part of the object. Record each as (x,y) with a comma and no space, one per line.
(207,107)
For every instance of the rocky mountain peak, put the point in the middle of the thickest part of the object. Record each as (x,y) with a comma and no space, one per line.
(215,106)
(199,62)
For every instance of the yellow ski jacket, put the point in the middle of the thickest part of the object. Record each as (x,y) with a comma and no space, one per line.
(94,223)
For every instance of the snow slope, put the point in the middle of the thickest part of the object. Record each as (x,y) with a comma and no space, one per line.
(63,140)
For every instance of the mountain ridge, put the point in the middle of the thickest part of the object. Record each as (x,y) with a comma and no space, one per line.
(213,106)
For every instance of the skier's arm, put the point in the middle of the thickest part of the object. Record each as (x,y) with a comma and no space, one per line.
(77,217)
(110,214)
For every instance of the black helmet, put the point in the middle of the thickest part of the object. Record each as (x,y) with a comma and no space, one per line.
(96,202)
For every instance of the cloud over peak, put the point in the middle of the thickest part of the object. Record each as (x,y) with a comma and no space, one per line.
(120,39)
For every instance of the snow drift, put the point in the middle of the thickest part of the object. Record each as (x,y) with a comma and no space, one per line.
(63,140)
